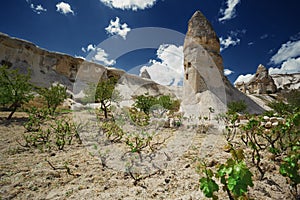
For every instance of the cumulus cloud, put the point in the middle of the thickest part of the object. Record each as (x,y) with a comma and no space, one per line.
(99,55)
(89,48)
(116,28)
(244,78)
(229,12)
(227,42)
(292,65)
(291,49)
(64,8)
(228,72)
(169,70)
(129,4)
(102,57)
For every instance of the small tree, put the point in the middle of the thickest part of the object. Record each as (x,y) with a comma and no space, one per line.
(164,102)
(54,96)
(144,103)
(15,89)
(104,93)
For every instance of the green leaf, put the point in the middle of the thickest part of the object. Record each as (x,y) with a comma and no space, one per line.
(231,183)
(208,187)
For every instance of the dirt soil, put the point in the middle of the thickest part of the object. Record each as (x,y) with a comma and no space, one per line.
(74,173)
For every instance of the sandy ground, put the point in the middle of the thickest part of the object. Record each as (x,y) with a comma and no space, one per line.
(27,174)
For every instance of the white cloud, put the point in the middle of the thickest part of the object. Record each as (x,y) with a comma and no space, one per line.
(64,8)
(244,78)
(116,28)
(81,57)
(229,41)
(102,56)
(292,65)
(286,51)
(250,43)
(129,4)
(228,72)
(169,70)
(229,12)
(89,48)
(36,8)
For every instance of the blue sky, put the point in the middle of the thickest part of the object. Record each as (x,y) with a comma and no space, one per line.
(252,32)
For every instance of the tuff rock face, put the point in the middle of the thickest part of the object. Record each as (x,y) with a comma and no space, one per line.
(49,67)
(202,32)
(261,83)
(287,81)
(203,71)
(44,66)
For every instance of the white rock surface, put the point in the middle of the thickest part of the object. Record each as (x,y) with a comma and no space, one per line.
(287,81)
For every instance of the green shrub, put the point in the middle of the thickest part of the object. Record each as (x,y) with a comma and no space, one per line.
(54,96)
(138,141)
(237,107)
(234,175)
(144,103)
(112,131)
(293,98)
(15,89)
(280,107)
(104,93)
(147,103)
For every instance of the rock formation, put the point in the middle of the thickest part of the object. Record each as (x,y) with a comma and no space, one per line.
(144,74)
(287,81)
(204,83)
(46,67)
(202,32)
(261,83)
(203,71)
(49,67)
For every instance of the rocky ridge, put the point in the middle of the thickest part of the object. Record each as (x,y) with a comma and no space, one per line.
(287,81)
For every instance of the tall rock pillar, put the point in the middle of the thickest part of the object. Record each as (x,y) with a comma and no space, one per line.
(203,65)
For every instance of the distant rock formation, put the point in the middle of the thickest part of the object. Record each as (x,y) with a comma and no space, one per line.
(261,83)
(144,74)
(287,81)
(203,71)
